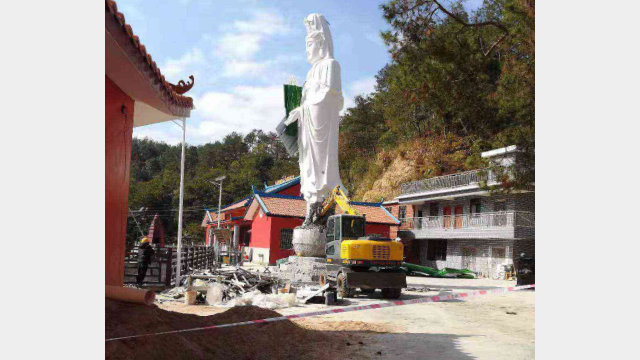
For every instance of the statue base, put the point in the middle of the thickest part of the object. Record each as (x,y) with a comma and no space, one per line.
(309,241)
(305,270)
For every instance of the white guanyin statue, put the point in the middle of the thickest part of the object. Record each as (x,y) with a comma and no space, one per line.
(318,118)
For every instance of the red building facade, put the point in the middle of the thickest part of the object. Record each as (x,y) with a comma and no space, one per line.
(266,219)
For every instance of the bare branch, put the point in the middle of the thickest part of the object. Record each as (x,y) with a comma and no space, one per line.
(440,7)
(495,44)
(476,25)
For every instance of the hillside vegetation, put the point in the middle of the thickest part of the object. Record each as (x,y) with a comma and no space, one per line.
(458,84)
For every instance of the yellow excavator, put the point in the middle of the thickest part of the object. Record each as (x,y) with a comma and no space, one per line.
(355,260)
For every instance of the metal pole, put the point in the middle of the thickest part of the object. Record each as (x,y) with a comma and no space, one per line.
(179,255)
(236,236)
(219,208)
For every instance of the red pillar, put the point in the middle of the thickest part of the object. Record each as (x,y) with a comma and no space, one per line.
(118,132)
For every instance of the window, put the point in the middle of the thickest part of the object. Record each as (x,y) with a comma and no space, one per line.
(331,250)
(402,212)
(389,209)
(437,250)
(330,229)
(286,237)
(434,210)
(475,206)
(352,227)
(469,257)
(498,253)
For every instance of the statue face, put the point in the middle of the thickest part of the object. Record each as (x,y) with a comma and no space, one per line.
(314,48)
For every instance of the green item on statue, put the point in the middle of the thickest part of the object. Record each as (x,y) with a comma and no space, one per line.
(292,97)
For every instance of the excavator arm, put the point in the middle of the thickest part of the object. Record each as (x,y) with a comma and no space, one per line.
(338,197)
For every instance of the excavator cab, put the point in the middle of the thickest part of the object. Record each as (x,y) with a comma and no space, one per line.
(342,227)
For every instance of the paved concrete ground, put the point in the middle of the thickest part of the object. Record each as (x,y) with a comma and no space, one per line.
(487,327)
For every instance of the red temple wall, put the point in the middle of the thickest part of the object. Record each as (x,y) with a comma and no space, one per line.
(277,224)
(118,131)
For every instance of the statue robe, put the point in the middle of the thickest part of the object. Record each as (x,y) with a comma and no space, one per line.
(318,128)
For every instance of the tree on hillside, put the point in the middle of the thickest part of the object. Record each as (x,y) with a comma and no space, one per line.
(362,129)
(472,75)
(251,160)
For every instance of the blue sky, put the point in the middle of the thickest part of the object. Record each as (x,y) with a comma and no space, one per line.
(241,52)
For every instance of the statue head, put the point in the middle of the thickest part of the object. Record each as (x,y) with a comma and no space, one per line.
(319,41)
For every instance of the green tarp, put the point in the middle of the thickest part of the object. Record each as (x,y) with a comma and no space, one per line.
(446,272)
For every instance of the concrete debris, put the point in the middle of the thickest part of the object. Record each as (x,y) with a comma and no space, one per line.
(199,283)
(265,301)
(313,294)
(222,285)
(419,289)
(215,294)
(174,293)
(305,291)
(190,298)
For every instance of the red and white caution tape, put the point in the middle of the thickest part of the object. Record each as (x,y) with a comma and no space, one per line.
(426,299)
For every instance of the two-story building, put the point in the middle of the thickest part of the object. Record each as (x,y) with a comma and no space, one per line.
(456,221)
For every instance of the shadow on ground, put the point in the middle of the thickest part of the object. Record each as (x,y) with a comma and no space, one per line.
(277,340)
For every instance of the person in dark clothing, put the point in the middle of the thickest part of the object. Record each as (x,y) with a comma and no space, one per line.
(145,254)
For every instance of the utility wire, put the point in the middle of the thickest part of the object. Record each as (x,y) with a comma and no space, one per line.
(138,225)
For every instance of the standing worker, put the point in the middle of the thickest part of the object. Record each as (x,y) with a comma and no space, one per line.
(145,253)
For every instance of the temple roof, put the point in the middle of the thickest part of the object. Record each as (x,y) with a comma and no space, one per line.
(138,75)
(295,206)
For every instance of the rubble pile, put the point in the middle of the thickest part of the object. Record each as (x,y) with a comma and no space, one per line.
(233,287)
(265,301)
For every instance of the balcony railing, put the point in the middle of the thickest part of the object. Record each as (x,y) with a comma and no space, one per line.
(448,181)
(487,220)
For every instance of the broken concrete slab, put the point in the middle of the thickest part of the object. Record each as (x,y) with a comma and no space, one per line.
(303,269)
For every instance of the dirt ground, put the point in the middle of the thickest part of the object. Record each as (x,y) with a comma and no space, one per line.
(486,327)
(277,340)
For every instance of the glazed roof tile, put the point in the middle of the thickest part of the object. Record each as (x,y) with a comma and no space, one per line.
(177,99)
(283,205)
